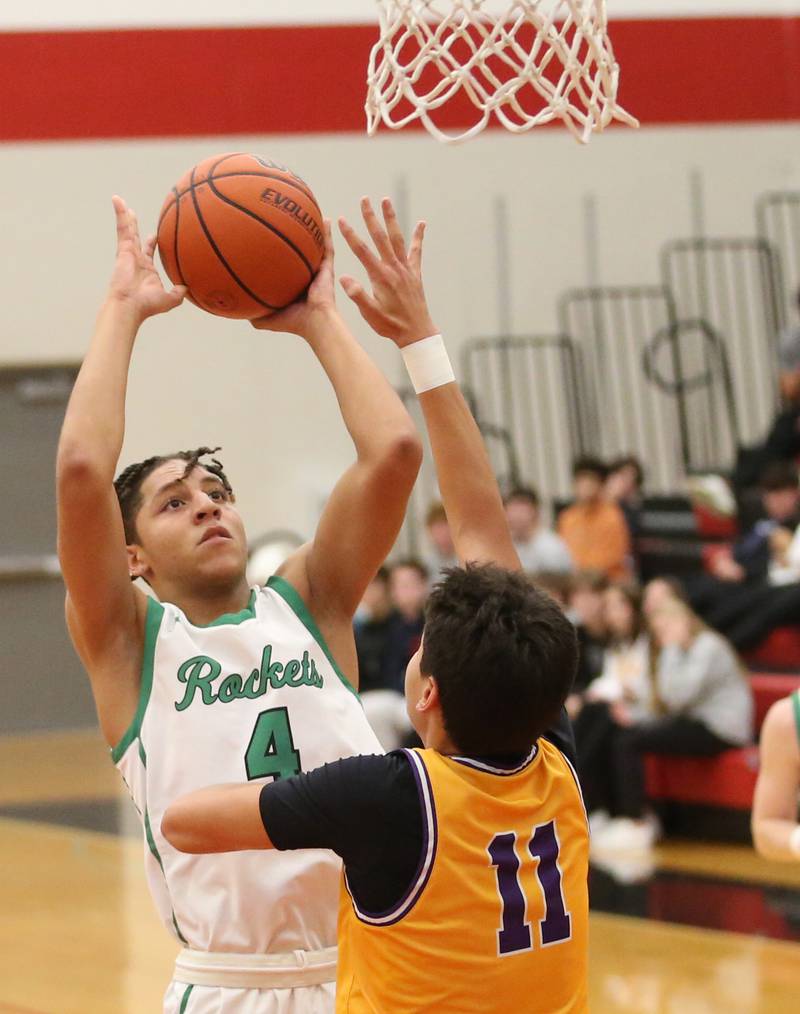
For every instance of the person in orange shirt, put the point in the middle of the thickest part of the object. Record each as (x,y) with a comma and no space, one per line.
(593,528)
(465,862)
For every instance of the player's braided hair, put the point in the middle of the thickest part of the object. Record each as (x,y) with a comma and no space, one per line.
(128,484)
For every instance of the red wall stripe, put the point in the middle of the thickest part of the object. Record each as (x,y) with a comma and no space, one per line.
(194,82)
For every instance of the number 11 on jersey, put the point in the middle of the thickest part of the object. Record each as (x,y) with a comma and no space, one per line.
(514,934)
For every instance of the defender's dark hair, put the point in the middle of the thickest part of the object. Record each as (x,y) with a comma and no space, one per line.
(526,493)
(503,655)
(128,483)
(588,463)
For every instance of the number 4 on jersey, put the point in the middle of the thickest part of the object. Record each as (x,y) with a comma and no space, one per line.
(514,934)
(271,752)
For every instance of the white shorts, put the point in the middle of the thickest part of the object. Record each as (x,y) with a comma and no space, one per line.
(183,999)
(300,982)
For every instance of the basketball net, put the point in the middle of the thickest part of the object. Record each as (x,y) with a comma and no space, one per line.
(525,62)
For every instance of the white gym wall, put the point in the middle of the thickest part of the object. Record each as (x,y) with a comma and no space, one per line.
(199,379)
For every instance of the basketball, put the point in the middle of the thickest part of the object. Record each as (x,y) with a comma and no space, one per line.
(244,234)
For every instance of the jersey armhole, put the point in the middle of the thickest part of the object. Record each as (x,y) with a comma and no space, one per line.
(430,838)
(152,625)
(294,601)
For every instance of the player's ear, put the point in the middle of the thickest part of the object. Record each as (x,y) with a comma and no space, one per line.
(429,698)
(136,563)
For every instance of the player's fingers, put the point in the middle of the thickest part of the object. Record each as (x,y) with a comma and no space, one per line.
(359,247)
(135,226)
(121,215)
(355,291)
(376,230)
(327,237)
(396,237)
(415,249)
(150,246)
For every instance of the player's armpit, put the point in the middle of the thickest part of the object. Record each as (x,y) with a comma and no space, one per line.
(220,818)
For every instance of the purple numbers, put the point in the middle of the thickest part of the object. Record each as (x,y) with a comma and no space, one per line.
(556,925)
(515,933)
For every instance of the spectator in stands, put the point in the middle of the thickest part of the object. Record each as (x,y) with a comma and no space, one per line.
(661,590)
(622,695)
(441,551)
(705,707)
(585,607)
(383,706)
(741,597)
(594,529)
(538,548)
(556,583)
(783,440)
(408,589)
(776,832)
(624,487)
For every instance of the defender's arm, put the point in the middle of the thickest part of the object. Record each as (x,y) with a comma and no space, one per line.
(397,309)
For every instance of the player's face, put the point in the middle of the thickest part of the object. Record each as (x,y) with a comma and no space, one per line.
(189,530)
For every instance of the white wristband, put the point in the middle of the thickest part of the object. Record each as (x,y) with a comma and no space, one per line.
(794,841)
(428,364)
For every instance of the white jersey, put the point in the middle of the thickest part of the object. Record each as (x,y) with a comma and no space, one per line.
(255,695)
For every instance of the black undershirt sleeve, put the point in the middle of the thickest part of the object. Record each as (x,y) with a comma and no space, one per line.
(366,809)
(561,735)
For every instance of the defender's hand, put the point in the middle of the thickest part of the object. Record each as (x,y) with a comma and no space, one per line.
(397,307)
(316,303)
(135,280)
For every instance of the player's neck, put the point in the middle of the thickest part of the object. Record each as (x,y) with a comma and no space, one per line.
(202,607)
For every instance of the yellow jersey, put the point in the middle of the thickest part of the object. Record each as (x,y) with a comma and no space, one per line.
(497,916)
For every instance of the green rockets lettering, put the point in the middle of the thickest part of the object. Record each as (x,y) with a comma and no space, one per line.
(203,675)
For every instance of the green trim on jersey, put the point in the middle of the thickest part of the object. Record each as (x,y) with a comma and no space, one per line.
(796,703)
(292,598)
(248,613)
(185,999)
(152,624)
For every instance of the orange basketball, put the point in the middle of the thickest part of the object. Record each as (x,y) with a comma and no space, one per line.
(243,234)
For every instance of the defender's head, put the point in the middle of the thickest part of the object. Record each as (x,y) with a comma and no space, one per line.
(181,525)
(497,661)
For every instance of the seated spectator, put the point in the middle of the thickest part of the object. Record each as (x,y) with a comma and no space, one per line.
(441,551)
(661,590)
(388,631)
(622,695)
(705,707)
(624,487)
(752,588)
(776,832)
(585,607)
(370,627)
(538,548)
(408,590)
(594,529)
(783,440)
(555,583)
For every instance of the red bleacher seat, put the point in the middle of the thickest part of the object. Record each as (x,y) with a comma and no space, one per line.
(729,779)
(780,649)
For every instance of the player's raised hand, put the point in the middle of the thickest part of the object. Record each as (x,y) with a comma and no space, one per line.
(314,305)
(135,280)
(396,308)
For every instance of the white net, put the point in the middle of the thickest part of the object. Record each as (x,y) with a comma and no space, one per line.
(524,62)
